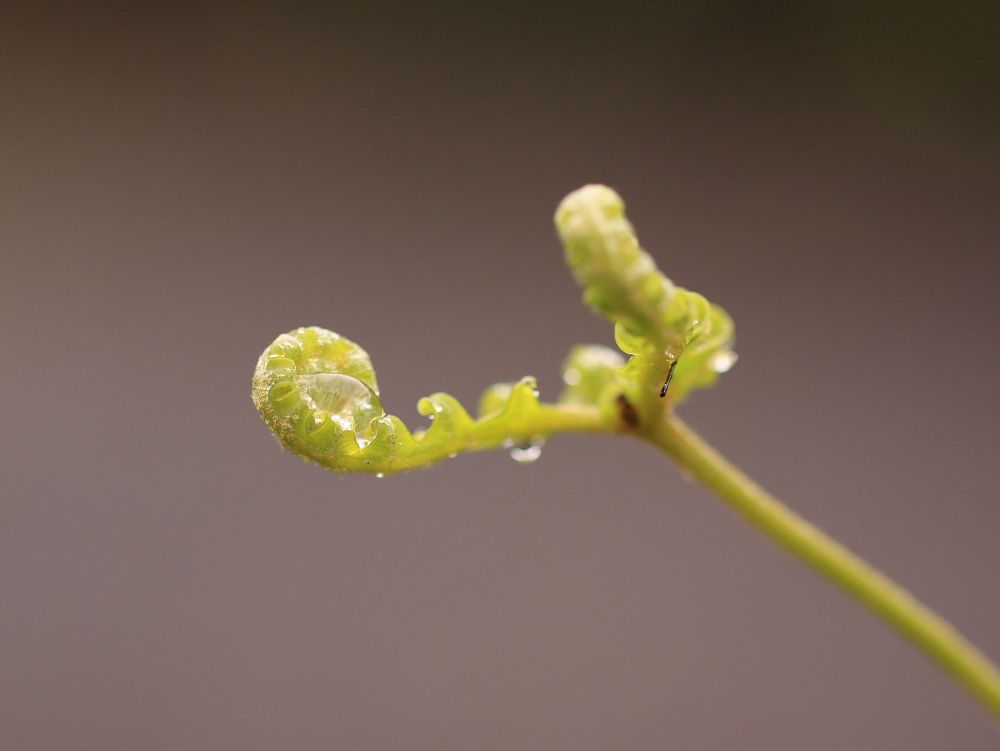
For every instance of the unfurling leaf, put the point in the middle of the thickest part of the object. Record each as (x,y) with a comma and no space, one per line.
(317,391)
(657,322)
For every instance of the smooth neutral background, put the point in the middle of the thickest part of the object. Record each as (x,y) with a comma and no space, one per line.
(178,185)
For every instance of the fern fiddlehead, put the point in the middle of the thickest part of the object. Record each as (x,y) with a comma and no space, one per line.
(655,321)
(318,393)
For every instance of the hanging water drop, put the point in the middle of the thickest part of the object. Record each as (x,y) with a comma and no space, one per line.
(527,453)
(723,361)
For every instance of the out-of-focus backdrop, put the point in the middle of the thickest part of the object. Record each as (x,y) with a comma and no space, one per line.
(180,184)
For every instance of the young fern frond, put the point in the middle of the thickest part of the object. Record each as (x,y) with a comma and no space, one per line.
(317,392)
(655,321)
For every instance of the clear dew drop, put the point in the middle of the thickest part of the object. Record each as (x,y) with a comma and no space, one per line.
(528,452)
(352,404)
(723,361)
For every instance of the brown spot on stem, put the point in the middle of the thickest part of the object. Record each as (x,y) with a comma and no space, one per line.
(627,412)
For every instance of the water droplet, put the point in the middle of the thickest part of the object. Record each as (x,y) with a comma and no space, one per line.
(531,382)
(723,361)
(571,377)
(351,403)
(528,452)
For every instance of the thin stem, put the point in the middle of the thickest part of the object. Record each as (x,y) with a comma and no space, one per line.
(547,420)
(931,633)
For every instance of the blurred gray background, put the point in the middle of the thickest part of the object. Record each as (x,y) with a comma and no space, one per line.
(180,184)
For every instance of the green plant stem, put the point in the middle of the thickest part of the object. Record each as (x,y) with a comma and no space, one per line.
(931,633)
(546,420)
